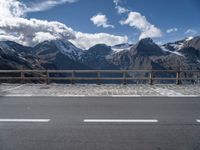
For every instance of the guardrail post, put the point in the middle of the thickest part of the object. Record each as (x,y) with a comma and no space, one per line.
(151,78)
(124,77)
(98,77)
(178,75)
(22,77)
(73,76)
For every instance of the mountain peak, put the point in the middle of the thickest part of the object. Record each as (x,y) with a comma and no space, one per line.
(146,40)
(100,49)
(194,43)
(147,47)
(56,46)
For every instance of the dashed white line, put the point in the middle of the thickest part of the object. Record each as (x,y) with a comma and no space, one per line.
(198,120)
(26,120)
(120,121)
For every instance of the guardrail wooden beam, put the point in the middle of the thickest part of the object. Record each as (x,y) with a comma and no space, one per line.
(125,75)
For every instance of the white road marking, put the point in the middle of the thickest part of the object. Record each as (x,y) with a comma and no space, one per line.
(26,120)
(121,121)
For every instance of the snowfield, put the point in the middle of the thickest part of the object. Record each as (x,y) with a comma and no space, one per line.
(98,90)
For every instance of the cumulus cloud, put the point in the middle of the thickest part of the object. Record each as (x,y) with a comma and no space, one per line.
(101,20)
(85,40)
(172,30)
(191,32)
(11,8)
(15,27)
(29,32)
(136,20)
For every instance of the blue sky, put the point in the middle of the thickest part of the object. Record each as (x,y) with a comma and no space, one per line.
(164,14)
(89,22)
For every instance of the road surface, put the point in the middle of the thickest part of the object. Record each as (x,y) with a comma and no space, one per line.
(52,123)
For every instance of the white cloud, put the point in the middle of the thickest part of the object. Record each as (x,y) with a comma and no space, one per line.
(172,30)
(116,2)
(32,31)
(40,36)
(136,20)
(121,10)
(46,4)
(101,21)
(85,40)
(11,8)
(15,8)
(191,32)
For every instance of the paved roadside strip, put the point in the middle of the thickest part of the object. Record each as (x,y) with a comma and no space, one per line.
(87,90)
(12,88)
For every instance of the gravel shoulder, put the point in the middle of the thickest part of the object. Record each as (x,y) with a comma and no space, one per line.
(98,90)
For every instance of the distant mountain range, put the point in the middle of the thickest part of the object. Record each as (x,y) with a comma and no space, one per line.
(60,54)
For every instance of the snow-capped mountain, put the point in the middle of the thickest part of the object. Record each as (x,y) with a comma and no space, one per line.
(96,57)
(178,46)
(61,54)
(16,56)
(139,56)
(65,47)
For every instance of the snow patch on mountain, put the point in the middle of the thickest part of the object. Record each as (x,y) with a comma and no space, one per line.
(5,47)
(68,49)
(177,46)
(7,50)
(173,52)
(121,47)
(189,38)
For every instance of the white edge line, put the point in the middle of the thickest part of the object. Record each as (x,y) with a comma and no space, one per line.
(120,121)
(26,120)
(198,120)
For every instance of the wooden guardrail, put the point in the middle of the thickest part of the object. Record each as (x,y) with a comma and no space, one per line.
(47,77)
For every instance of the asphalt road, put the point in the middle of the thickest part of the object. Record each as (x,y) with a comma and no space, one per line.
(52,123)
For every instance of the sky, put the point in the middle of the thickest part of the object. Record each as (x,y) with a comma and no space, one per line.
(89,22)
